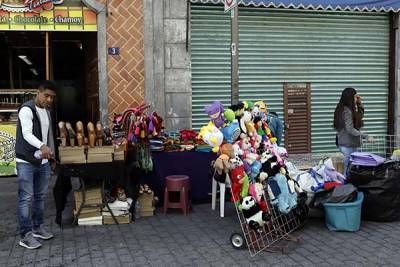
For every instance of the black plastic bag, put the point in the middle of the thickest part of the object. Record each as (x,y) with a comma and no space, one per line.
(320,198)
(343,194)
(381,188)
(338,194)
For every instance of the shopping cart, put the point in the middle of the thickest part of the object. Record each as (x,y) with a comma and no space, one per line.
(274,236)
(382,145)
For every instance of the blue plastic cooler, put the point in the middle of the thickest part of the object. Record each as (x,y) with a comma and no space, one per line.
(344,216)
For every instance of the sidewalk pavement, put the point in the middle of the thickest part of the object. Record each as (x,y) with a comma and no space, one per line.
(199,239)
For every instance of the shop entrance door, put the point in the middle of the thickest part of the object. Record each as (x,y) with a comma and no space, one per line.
(69,58)
(297,100)
(74,67)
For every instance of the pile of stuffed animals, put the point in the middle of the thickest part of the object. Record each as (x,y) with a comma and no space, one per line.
(249,153)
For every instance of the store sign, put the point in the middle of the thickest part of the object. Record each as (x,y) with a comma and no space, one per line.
(47,15)
(29,5)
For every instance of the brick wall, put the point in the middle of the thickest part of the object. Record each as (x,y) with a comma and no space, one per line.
(126,71)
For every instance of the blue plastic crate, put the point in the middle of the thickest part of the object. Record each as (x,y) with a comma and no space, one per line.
(344,216)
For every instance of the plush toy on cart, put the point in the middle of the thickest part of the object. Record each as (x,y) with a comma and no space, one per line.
(255,217)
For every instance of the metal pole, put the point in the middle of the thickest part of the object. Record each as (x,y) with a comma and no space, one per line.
(47,57)
(234,56)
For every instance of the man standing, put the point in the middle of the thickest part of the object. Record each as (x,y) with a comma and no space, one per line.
(34,146)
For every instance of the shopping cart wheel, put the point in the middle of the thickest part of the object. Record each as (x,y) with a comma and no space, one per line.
(237,241)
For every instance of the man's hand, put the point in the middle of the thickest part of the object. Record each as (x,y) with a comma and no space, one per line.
(46,152)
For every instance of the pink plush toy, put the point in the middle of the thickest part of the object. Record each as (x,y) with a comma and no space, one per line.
(256,190)
(248,154)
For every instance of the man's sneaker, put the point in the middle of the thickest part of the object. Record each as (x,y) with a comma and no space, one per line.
(29,241)
(42,233)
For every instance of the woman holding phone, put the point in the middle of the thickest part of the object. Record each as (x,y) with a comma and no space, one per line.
(347,121)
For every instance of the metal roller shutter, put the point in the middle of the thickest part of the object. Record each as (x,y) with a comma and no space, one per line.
(332,50)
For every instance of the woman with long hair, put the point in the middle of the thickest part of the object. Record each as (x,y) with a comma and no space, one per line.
(347,121)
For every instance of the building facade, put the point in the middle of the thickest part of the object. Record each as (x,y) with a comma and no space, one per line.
(187,60)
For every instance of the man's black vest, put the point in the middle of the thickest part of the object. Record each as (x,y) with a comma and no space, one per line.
(23,149)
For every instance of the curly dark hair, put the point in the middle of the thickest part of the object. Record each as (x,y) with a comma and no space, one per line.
(347,100)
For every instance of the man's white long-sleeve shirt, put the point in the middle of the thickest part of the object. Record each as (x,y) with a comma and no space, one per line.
(25,117)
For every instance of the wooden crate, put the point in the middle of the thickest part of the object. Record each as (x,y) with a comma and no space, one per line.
(125,219)
(147,213)
(71,154)
(119,155)
(88,215)
(92,196)
(100,154)
(146,201)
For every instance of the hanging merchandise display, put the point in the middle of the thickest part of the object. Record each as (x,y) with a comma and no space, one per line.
(141,129)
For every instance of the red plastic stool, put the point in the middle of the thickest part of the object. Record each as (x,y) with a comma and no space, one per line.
(177,183)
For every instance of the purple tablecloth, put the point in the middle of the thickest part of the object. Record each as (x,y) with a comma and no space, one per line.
(194,164)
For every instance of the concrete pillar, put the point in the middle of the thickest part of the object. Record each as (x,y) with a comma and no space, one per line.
(100,9)
(167,62)
(396,116)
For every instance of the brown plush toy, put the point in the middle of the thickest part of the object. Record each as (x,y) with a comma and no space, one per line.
(221,164)
(99,134)
(63,133)
(91,134)
(80,134)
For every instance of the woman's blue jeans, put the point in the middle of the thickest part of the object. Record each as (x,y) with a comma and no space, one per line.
(33,182)
(346,151)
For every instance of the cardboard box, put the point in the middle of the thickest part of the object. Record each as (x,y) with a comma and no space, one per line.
(119,148)
(92,196)
(88,215)
(120,219)
(120,155)
(146,201)
(100,154)
(88,210)
(72,154)
(147,213)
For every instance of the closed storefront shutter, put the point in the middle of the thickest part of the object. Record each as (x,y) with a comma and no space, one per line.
(331,50)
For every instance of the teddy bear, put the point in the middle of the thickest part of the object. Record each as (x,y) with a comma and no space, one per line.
(254,171)
(231,132)
(255,217)
(262,108)
(221,165)
(256,190)
(246,151)
(286,200)
(211,135)
(239,180)
(269,164)
(216,113)
(243,121)
(238,109)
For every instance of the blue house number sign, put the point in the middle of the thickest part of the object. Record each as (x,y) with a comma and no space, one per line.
(113,51)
